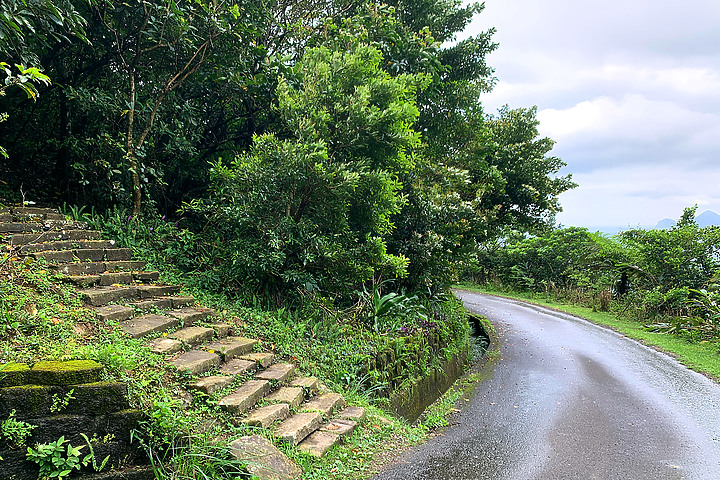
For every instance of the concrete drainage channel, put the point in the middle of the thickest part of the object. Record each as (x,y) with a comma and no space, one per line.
(412,401)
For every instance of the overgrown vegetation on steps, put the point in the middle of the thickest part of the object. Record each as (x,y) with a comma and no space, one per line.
(43,318)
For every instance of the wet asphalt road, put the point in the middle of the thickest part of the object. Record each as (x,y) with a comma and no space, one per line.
(570,400)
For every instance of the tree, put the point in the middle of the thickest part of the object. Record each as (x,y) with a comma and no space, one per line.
(313,210)
(527,198)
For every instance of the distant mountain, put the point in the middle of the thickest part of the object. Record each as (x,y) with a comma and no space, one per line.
(665,223)
(705,219)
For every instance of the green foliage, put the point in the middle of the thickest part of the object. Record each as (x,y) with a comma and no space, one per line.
(15,431)
(663,277)
(527,199)
(60,403)
(56,460)
(312,212)
(94,463)
(683,256)
(391,306)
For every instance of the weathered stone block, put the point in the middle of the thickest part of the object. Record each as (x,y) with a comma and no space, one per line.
(325,404)
(107,279)
(263,359)
(147,324)
(118,254)
(243,399)
(293,430)
(263,459)
(280,372)
(211,384)
(188,316)
(89,254)
(117,313)
(149,291)
(293,396)
(356,414)
(318,443)
(231,347)
(100,296)
(344,428)
(309,384)
(196,362)
(125,265)
(65,373)
(165,345)
(12,374)
(193,335)
(267,415)
(87,268)
(238,366)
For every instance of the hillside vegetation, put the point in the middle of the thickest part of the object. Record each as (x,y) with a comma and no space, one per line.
(664,281)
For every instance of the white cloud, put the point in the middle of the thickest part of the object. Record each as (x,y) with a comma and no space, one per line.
(629,90)
(642,195)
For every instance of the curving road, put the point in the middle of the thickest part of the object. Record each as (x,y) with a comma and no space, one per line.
(570,400)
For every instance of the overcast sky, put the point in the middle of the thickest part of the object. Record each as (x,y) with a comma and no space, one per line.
(629,90)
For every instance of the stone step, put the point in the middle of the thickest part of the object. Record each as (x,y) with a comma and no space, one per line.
(149,291)
(294,430)
(222,329)
(56,246)
(318,443)
(85,268)
(193,335)
(265,416)
(309,384)
(243,399)
(211,384)
(84,255)
(139,327)
(356,414)
(163,303)
(125,265)
(116,313)
(59,256)
(328,435)
(100,296)
(263,459)
(231,347)
(188,316)
(141,277)
(280,372)
(196,362)
(95,267)
(179,302)
(21,227)
(164,345)
(325,404)
(238,366)
(83,281)
(293,396)
(102,279)
(25,210)
(263,359)
(54,236)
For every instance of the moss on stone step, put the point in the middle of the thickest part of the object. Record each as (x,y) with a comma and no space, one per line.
(72,372)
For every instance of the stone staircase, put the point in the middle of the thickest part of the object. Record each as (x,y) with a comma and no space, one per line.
(265,391)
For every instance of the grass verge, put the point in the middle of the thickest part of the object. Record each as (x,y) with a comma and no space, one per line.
(702,357)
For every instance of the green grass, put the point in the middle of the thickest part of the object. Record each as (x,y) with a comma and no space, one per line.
(703,357)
